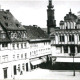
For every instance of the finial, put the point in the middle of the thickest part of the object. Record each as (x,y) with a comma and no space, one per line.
(70,9)
(50,4)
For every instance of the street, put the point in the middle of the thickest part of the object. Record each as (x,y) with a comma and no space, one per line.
(50,74)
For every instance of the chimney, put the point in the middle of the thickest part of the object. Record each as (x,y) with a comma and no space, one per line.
(7,10)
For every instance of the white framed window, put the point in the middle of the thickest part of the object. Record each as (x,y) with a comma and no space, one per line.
(13,57)
(13,45)
(17,56)
(21,55)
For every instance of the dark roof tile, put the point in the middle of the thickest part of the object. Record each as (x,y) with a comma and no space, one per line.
(9,22)
(35,33)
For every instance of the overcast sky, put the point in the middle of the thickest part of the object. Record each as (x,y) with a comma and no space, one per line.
(33,12)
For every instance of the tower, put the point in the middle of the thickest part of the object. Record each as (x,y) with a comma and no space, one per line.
(51,22)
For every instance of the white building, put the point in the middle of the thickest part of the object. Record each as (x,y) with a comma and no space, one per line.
(20,48)
(66,42)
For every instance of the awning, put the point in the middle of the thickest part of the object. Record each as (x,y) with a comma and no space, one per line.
(35,62)
(44,59)
(76,60)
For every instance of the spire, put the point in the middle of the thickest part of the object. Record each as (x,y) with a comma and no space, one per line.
(70,11)
(50,4)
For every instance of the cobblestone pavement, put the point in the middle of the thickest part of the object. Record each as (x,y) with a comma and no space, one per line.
(50,74)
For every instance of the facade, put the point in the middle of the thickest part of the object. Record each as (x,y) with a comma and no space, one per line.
(21,48)
(66,40)
(40,48)
(51,22)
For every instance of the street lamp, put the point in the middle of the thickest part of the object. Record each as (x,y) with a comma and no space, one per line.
(73,65)
(73,54)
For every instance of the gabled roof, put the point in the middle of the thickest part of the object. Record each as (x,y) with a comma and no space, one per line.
(8,21)
(36,33)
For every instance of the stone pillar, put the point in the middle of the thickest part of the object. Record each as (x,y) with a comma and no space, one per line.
(29,66)
(76,50)
(68,49)
(62,50)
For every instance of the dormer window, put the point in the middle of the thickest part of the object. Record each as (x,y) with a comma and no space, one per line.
(75,27)
(6,24)
(66,27)
(17,25)
(5,17)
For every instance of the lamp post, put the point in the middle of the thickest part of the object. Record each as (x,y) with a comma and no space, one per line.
(73,65)
(73,54)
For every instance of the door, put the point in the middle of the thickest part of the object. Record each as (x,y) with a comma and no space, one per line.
(5,72)
(26,66)
(72,49)
(15,72)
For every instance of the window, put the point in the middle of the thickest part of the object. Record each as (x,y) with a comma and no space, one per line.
(79,37)
(13,45)
(25,45)
(17,25)
(26,66)
(14,57)
(15,72)
(25,55)
(19,35)
(34,52)
(21,55)
(18,56)
(65,49)
(62,38)
(5,17)
(3,35)
(71,38)
(5,58)
(21,45)
(0,59)
(19,67)
(66,27)
(5,72)
(6,24)
(11,34)
(17,45)
(23,66)
(78,48)
(30,53)
(75,27)
(4,45)
(15,35)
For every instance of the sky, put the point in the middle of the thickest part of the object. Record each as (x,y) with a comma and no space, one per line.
(34,12)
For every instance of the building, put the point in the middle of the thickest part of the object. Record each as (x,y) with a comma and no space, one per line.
(66,42)
(40,48)
(51,22)
(21,48)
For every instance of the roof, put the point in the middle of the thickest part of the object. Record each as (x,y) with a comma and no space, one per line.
(4,40)
(8,21)
(70,16)
(36,33)
(61,22)
(44,29)
(78,22)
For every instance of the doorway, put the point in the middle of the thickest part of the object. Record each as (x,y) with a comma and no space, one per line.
(72,49)
(5,72)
